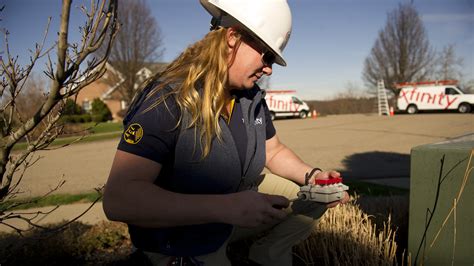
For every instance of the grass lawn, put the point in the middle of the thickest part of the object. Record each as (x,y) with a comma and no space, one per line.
(105,127)
(101,131)
(51,200)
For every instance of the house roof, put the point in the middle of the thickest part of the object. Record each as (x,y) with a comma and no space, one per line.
(147,71)
(156,67)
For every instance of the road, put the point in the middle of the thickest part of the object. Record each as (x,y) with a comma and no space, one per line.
(360,146)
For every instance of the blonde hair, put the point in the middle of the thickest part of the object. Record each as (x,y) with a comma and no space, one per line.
(203,65)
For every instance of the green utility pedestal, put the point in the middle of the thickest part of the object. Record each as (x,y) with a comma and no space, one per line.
(441,220)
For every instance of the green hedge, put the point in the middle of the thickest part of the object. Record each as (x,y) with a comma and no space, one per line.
(100,112)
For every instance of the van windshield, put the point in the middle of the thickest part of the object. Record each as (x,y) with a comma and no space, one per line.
(461,90)
(296,100)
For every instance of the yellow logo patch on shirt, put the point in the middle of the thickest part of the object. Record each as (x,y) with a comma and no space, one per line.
(133,134)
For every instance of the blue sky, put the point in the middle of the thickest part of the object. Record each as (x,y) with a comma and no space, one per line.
(327,49)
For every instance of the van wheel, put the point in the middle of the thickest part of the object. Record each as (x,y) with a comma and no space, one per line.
(412,109)
(303,114)
(272,116)
(464,108)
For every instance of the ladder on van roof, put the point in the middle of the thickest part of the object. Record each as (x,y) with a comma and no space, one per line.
(382,98)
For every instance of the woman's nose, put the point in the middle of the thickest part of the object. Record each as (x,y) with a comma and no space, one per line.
(268,70)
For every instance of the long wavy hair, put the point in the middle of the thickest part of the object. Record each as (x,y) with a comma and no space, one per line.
(202,66)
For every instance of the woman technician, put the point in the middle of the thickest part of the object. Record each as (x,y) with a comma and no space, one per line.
(197,138)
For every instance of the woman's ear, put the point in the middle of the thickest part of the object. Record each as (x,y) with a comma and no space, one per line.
(231,37)
(233,43)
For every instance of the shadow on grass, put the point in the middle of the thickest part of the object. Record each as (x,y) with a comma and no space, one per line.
(377,164)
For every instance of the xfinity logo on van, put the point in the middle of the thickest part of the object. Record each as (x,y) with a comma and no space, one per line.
(282,104)
(433,95)
(285,103)
(427,97)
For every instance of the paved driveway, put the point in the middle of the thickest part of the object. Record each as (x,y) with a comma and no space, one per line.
(361,146)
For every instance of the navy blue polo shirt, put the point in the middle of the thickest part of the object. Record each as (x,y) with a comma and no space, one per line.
(153,134)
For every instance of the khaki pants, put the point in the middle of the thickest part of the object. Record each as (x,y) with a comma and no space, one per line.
(275,248)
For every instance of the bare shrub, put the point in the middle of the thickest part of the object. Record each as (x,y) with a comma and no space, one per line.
(30,101)
(78,244)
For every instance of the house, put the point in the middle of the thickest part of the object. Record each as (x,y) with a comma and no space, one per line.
(108,93)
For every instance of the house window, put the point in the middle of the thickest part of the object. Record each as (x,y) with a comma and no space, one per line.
(86,105)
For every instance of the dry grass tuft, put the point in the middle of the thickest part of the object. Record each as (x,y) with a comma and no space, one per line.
(346,235)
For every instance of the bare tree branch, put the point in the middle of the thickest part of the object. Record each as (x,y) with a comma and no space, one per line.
(76,66)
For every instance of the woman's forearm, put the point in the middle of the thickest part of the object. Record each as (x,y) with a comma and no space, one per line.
(147,205)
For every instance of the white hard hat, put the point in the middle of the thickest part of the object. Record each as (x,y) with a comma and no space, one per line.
(269,20)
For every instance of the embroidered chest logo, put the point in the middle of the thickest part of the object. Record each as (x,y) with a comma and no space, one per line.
(258,121)
(133,134)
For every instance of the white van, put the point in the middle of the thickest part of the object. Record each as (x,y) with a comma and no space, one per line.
(285,103)
(433,95)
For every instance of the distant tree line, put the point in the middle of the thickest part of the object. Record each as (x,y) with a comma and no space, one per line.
(344,106)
